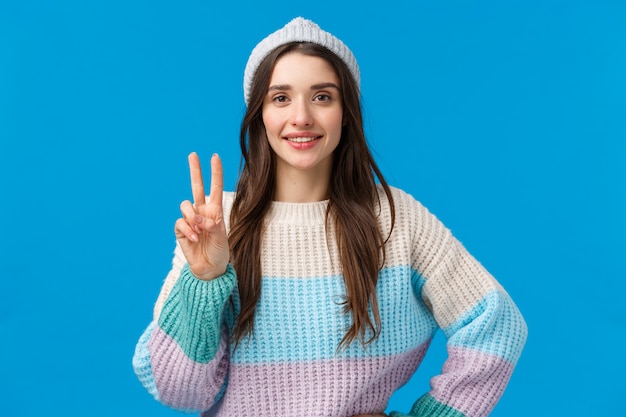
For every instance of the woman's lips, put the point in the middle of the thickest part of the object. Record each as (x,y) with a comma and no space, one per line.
(303,141)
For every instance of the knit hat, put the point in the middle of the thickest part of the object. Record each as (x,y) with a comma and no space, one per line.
(298,30)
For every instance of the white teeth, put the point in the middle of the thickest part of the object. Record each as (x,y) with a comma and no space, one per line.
(301,140)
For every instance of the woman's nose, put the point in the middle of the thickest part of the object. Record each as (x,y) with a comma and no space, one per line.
(301,115)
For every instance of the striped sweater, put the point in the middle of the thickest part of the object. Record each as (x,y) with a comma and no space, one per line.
(291,365)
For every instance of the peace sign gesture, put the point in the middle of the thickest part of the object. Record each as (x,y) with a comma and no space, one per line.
(201,232)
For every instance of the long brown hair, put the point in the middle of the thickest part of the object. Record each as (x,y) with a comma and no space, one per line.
(352,196)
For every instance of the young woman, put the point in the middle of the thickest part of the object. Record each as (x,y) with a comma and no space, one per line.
(312,290)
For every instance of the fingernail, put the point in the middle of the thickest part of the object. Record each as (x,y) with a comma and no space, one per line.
(194,238)
(198,219)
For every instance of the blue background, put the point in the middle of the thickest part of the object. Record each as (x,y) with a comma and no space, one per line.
(506,119)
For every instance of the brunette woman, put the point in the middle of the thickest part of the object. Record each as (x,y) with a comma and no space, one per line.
(316,288)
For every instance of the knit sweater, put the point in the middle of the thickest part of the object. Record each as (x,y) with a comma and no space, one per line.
(291,365)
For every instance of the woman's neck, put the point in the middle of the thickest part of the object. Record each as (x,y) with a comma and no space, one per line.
(296,186)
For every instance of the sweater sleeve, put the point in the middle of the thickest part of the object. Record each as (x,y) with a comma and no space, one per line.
(485,331)
(182,357)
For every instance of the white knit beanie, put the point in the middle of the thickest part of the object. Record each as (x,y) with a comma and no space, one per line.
(298,30)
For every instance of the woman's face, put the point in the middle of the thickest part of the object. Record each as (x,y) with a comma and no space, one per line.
(302,113)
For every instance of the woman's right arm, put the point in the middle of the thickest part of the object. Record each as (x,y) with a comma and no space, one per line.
(182,357)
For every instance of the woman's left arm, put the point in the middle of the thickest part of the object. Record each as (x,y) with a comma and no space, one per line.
(485,330)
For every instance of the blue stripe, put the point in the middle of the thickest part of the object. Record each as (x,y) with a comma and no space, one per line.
(301,319)
(142,364)
(418,282)
(491,326)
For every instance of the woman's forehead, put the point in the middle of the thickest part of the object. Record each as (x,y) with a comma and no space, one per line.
(302,69)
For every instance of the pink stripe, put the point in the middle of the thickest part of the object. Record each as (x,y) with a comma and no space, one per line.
(471,381)
(182,383)
(338,387)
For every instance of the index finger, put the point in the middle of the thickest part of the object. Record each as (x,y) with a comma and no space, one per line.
(217,181)
(197,185)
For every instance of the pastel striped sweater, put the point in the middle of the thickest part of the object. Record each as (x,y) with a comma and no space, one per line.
(292,367)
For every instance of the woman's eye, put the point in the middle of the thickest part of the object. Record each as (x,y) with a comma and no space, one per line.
(280,99)
(322,97)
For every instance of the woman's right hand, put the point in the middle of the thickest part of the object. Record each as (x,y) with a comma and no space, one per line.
(201,232)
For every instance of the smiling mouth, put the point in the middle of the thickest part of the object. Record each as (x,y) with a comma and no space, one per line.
(303,139)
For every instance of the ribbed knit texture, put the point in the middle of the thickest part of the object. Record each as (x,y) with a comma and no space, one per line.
(291,366)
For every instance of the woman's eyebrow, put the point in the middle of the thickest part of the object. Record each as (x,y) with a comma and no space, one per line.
(279,87)
(324,85)
(285,87)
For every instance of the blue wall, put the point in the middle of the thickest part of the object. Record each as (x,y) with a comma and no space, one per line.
(506,119)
